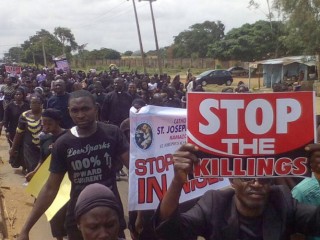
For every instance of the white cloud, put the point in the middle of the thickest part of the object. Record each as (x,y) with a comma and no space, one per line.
(111,23)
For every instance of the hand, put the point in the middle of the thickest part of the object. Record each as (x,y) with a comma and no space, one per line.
(184,159)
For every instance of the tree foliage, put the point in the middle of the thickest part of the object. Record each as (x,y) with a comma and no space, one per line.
(251,42)
(14,54)
(66,38)
(197,38)
(303,19)
(127,53)
(33,50)
(102,54)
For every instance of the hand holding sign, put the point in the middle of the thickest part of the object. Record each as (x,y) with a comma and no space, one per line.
(184,159)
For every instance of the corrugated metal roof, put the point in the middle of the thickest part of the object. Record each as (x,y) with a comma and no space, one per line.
(307,60)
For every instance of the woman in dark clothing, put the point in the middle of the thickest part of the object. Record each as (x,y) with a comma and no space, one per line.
(27,134)
(12,114)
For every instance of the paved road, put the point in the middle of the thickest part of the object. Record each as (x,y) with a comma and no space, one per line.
(18,204)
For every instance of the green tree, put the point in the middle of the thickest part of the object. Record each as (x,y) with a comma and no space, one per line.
(197,38)
(110,53)
(15,54)
(33,50)
(250,42)
(66,37)
(127,53)
(303,18)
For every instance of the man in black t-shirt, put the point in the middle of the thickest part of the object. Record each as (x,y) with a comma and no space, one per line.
(89,153)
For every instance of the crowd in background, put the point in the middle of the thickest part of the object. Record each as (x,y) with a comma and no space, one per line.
(34,113)
(114,91)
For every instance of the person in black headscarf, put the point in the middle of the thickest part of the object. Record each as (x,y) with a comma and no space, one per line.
(97,213)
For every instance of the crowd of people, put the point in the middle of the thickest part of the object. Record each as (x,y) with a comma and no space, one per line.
(81,119)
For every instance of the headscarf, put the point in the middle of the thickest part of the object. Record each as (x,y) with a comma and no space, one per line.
(95,195)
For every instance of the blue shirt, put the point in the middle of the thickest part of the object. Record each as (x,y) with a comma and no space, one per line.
(308,192)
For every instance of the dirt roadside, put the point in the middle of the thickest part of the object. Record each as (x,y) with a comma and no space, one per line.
(16,203)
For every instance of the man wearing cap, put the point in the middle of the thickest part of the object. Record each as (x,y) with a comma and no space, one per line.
(308,191)
(251,210)
(89,153)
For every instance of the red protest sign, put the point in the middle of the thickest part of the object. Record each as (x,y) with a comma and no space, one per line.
(251,134)
(14,70)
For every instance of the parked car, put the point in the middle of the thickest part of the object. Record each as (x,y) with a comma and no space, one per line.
(238,71)
(215,77)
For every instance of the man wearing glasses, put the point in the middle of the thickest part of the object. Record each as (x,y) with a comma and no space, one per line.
(252,209)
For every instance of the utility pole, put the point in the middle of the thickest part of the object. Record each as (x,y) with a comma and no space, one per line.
(155,36)
(140,40)
(32,49)
(44,52)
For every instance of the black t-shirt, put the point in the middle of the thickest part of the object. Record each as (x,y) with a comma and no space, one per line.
(250,228)
(89,160)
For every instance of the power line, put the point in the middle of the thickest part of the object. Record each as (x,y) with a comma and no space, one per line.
(126,10)
(110,10)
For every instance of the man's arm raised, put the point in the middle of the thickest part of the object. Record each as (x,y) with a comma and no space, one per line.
(183,160)
(44,200)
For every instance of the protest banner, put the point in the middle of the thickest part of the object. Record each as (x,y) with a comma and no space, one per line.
(13,70)
(155,134)
(38,181)
(61,64)
(251,135)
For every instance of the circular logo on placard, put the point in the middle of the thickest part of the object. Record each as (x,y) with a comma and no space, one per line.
(143,136)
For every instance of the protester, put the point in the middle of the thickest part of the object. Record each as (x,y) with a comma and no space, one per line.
(13,112)
(98,93)
(51,119)
(176,82)
(117,104)
(157,100)
(138,103)
(83,152)
(27,134)
(308,191)
(251,209)
(60,102)
(98,213)
(132,90)
(171,99)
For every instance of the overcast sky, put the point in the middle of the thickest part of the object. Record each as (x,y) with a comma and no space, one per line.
(111,23)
